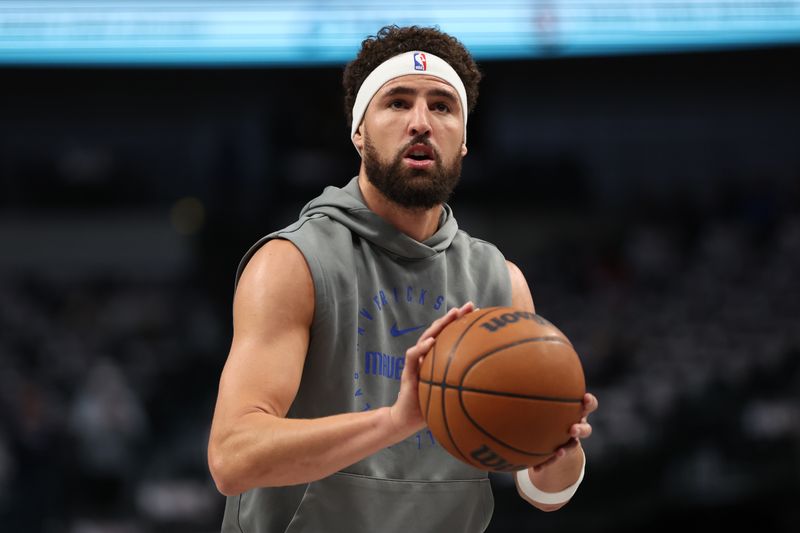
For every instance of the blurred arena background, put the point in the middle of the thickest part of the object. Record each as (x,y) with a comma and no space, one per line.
(639,160)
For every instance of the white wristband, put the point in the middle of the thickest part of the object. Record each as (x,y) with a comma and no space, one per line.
(527,487)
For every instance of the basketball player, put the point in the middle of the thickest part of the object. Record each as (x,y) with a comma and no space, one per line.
(317,426)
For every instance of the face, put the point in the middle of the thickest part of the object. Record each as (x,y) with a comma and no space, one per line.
(412,141)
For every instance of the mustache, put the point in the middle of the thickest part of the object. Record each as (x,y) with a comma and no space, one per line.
(420,139)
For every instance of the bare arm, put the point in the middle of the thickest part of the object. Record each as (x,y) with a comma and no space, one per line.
(564,468)
(252,444)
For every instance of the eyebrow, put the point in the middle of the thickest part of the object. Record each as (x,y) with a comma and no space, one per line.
(403,90)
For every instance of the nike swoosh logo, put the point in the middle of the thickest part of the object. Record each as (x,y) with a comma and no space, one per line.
(397,332)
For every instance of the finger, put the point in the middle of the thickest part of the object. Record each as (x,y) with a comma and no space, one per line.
(560,452)
(466,308)
(590,403)
(453,314)
(414,357)
(581,431)
(438,325)
(419,350)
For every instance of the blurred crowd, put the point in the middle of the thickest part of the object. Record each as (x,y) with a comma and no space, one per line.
(105,399)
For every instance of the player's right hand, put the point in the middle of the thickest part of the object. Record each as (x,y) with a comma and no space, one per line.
(406,414)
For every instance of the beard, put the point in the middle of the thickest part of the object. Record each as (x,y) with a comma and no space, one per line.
(410,187)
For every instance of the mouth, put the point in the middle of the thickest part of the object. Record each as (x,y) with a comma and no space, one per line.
(419,156)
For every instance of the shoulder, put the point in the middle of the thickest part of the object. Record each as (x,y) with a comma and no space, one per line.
(276,274)
(521,296)
(515,273)
(308,236)
(274,258)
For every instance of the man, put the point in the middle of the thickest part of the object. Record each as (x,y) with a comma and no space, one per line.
(317,425)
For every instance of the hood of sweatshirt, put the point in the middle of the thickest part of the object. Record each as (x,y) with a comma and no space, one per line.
(346,205)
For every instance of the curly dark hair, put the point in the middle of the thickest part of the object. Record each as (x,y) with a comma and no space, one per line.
(393,40)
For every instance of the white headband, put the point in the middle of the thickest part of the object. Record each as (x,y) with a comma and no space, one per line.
(402,65)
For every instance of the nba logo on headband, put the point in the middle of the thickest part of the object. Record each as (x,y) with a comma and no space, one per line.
(420,63)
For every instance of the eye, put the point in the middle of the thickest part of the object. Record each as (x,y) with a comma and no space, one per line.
(397,104)
(441,107)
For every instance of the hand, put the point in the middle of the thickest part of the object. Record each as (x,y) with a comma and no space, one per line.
(406,413)
(578,431)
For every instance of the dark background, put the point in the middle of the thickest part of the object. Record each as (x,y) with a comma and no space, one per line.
(650,200)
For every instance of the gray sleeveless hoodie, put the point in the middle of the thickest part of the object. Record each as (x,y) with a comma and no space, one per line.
(376,289)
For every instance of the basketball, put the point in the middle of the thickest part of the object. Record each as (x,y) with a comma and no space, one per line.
(500,389)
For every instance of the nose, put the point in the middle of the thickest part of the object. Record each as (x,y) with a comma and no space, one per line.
(419,122)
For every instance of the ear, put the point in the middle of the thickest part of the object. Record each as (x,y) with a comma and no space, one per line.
(464,149)
(358,137)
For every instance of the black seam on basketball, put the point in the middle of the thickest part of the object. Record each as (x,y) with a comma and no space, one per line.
(461,388)
(430,383)
(444,379)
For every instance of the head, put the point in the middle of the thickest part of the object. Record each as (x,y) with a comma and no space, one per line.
(408,125)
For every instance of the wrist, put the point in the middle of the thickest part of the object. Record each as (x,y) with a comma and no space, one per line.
(400,427)
(528,489)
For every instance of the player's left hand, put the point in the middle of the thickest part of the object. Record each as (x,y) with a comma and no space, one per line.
(578,431)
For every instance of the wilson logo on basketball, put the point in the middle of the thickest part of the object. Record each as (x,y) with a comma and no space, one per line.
(491,460)
(509,318)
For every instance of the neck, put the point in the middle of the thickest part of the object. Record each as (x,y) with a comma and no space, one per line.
(419,224)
